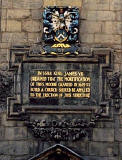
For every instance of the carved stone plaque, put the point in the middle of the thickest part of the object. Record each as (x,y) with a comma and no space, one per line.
(63,84)
(59,83)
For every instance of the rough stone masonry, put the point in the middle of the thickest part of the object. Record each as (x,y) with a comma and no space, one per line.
(100,27)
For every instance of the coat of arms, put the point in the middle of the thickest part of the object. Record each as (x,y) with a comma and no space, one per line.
(60,30)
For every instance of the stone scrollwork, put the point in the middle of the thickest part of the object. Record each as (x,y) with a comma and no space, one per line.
(63,130)
(114,86)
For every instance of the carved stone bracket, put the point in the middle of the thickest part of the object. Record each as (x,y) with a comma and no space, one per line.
(63,130)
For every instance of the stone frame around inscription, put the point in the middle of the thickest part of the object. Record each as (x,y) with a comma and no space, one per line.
(18,56)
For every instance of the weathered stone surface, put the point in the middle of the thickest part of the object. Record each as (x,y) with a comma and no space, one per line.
(118,134)
(4,147)
(6,123)
(2,133)
(18,13)
(34,37)
(4,45)
(103,135)
(102,27)
(37,14)
(3,59)
(118,57)
(27,4)
(3,157)
(117,67)
(119,15)
(14,37)
(62,3)
(3,25)
(13,26)
(18,147)
(103,149)
(116,5)
(112,27)
(15,133)
(90,27)
(107,39)
(3,13)
(87,38)
(31,26)
(83,147)
(105,125)
(5,85)
(120,148)
(6,3)
(101,15)
(24,157)
(100,158)
(96,5)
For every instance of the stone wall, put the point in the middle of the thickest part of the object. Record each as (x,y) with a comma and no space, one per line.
(100,26)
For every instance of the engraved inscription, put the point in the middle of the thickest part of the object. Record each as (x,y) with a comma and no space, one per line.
(59,84)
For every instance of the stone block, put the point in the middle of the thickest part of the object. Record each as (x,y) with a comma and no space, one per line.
(116,5)
(3,25)
(112,28)
(118,134)
(119,15)
(76,3)
(100,158)
(2,133)
(3,54)
(117,67)
(6,123)
(18,147)
(15,133)
(120,148)
(25,157)
(103,149)
(96,5)
(4,45)
(87,38)
(27,4)
(118,57)
(5,157)
(4,147)
(104,124)
(3,13)
(14,38)
(78,146)
(13,26)
(31,26)
(103,134)
(7,4)
(90,27)
(34,37)
(83,13)
(37,14)
(107,39)
(101,15)
(18,13)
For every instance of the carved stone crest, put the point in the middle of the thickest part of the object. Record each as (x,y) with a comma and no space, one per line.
(60,30)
